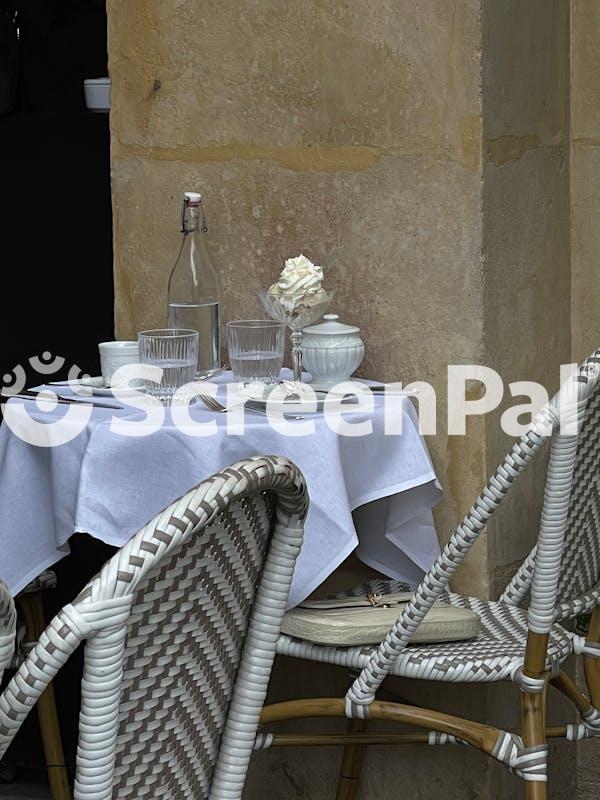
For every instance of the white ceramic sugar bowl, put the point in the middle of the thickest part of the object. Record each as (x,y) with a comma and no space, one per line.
(331,351)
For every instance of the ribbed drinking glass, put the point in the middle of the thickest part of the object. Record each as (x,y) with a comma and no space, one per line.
(256,348)
(175,351)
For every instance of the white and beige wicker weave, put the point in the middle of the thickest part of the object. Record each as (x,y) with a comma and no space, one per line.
(180,630)
(8,625)
(31,610)
(562,578)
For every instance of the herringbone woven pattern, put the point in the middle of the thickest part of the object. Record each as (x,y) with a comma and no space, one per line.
(184,641)
(580,570)
(193,599)
(578,588)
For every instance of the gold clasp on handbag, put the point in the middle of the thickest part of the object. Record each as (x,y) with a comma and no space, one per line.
(377,601)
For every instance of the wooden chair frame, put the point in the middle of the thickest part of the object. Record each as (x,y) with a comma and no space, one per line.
(484,737)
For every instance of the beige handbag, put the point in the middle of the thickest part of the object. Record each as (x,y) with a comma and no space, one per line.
(367,619)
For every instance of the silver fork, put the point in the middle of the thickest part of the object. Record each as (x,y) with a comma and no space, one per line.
(214,405)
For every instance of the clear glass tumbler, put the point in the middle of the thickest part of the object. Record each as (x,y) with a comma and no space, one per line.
(256,348)
(175,351)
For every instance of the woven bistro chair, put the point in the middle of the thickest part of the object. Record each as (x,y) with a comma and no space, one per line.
(561,576)
(8,626)
(180,630)
(31,609)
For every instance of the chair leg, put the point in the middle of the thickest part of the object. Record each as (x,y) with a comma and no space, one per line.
(533,708)
(592,665)
(536,790)
(33,613)
(352,763)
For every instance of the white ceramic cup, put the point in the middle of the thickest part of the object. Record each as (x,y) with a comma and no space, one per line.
(116,354)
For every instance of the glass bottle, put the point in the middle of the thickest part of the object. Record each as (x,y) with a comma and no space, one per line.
(193,294)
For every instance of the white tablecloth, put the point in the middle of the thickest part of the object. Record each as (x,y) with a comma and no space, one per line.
(109,485)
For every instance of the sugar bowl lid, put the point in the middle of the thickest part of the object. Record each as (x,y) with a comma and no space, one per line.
(331,327)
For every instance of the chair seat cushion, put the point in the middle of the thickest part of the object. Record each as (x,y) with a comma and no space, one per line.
(495,654)
(352,621)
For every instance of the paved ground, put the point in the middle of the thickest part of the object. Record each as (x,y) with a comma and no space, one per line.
(24,791)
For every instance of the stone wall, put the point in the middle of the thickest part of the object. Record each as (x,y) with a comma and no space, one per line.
(347,131)
(585,175)
(527,328)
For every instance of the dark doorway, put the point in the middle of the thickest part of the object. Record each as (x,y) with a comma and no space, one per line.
(56,241)
(56,225)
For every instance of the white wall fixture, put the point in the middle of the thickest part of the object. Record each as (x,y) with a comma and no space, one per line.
(97,94)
